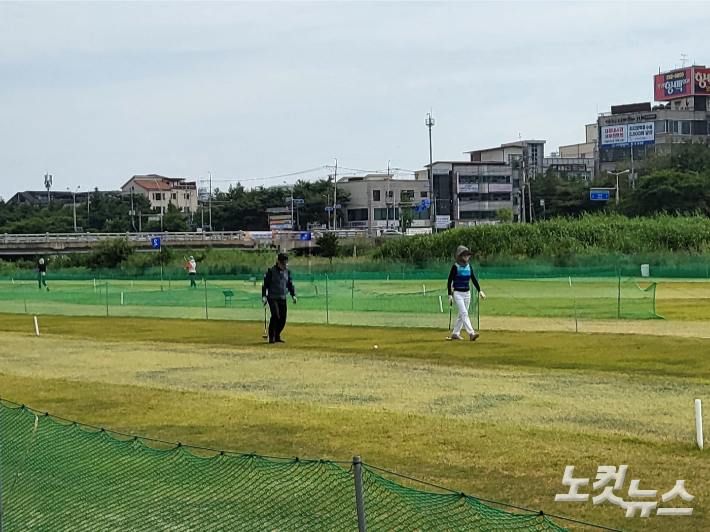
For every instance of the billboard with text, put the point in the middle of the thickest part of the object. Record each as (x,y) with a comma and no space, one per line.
(625,135)
(701,81)
(673,84)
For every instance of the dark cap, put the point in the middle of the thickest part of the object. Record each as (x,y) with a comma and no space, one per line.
(282,258)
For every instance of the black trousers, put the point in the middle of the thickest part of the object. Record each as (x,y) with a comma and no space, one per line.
(278,317)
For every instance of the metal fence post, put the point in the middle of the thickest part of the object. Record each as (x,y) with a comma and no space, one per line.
(618,298)
(327,310)
(207,316)
(359,495)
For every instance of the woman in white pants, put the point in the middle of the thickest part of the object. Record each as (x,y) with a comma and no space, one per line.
(459,289)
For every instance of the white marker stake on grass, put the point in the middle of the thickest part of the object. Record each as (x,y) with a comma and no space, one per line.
(424,289)
(441,305)
(699,423)
(570,280)
(121,298)
(37,332)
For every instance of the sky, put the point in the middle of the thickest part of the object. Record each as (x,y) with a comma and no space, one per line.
(94,93)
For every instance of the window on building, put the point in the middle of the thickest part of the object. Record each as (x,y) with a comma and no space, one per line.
(685,127)
(423,194)
(173,195)
(381,214)
(186,195)
(357,215)
(405,195)
(660,126)
(158,196)
(390,194)
(375,195)
(516,183)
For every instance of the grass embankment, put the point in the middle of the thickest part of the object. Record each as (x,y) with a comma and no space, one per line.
(499,418)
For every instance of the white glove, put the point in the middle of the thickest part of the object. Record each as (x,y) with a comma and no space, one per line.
(294,300)
(483,294)
(451,300)
(263,300)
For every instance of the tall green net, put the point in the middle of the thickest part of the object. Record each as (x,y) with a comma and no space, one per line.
(365,298)
(60,477)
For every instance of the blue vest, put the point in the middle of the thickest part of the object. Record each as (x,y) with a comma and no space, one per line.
(463,277)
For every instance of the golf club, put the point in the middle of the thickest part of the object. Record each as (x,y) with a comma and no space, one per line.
(450,308)
(265,335)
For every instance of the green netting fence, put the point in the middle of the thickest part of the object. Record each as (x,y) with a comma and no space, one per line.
(358,300)
(60,476)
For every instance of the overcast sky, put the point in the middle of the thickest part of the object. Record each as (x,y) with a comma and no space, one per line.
(97,92)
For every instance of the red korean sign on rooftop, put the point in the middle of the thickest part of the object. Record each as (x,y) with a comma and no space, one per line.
(701,81)
(674,84)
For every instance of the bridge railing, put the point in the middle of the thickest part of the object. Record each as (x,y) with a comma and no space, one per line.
(45,238)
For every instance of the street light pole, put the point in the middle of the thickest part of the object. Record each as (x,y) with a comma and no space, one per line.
(291,207)
(430,124)
(617,174)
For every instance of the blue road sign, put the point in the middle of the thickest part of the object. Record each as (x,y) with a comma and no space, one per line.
(426,202)
(305,236)
(298,201)
(419,208)
(329,208)
(337,206)
(155,242)
(599,195)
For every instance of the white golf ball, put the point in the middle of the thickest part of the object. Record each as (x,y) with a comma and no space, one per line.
(375,346)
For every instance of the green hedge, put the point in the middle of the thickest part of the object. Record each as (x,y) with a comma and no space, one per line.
(591,235)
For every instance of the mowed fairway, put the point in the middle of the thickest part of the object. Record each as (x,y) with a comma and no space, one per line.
(499,418)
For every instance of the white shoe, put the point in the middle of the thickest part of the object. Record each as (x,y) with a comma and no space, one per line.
(473,336)
(455,337)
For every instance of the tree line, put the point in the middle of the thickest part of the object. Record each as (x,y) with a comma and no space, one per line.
(235,209)
(677,183)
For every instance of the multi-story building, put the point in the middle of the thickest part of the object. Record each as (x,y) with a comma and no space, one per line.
(585,150)
(572,167)
(471,192)
(631,132)
(530,152)
(161,191)
(376,201)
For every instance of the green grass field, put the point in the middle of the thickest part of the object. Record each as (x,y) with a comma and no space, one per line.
(499,418)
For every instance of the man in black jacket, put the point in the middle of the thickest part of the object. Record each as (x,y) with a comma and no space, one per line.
(277,284)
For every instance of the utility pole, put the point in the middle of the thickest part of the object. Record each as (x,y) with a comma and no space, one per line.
(74,203)
(48,186)
(133,212)
(210,199)
(430,124)
(335,195)
(523,218)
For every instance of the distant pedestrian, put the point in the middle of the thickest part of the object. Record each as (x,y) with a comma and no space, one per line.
(277,285)
(191,268)
(460,276)
(42,274)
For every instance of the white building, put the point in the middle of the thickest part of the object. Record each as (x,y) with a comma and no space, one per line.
(376,201)
(161,191)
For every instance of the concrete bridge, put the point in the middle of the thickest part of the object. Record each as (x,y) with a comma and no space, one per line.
(65,243)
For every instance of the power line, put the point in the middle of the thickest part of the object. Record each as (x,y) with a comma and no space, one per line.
(270,177)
